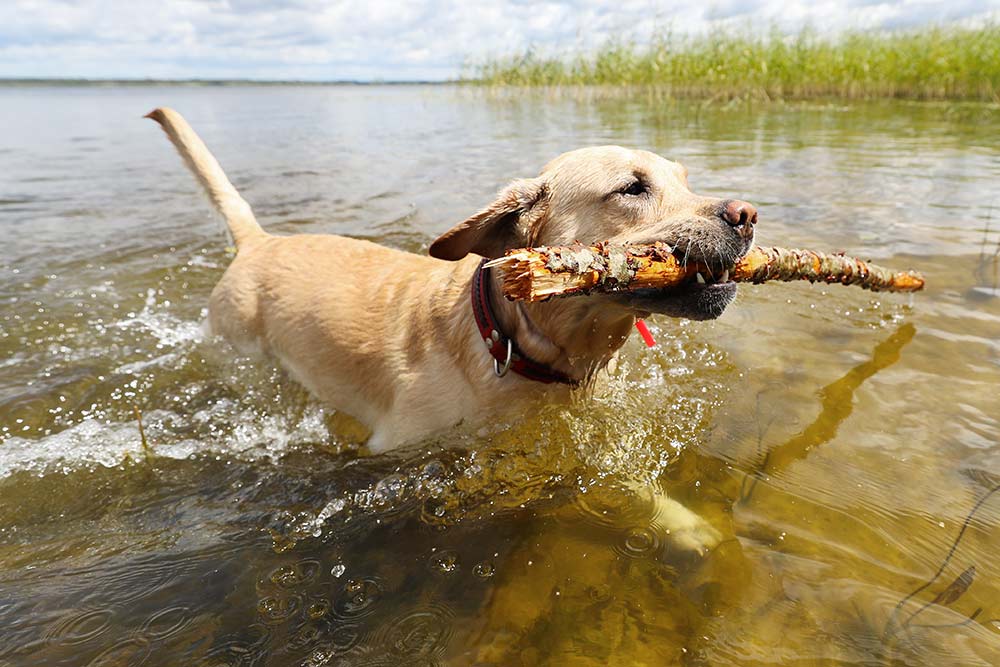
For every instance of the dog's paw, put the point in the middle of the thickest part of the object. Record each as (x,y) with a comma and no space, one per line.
(684,530)
(697,539)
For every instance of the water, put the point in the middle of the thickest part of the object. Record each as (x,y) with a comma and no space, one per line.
(838,440)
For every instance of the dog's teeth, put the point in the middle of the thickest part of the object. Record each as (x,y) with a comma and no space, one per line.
(725,276)
(700,278)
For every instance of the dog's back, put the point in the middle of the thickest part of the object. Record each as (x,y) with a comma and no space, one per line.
(368,329)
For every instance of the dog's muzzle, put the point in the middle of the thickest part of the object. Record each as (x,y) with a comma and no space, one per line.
(699,299)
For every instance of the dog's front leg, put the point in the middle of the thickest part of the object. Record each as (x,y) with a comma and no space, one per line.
(683,529)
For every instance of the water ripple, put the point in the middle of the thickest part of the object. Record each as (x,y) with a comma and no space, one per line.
(275,610)
(419,633)
(127,653)
(167,622)
(639,542)
(358,599)
(81,627)
(295,575)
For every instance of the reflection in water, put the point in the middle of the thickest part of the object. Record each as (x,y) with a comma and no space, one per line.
(249,529)
(837,405)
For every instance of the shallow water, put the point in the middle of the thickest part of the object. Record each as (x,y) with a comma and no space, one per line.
(838,440)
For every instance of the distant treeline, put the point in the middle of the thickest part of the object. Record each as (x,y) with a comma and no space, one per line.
(926,63)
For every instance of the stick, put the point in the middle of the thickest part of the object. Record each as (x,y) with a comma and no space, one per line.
(536,274)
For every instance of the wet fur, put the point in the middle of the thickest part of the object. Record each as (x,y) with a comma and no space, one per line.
(389,336)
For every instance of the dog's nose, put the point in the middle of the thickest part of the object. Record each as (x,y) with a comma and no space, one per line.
(736,212)
(740,215)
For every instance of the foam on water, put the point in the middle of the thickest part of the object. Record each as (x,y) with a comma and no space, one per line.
(226,427)
(168,330)
(95,442)
(90,443)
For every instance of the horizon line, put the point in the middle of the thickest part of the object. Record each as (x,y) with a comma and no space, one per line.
(29,80)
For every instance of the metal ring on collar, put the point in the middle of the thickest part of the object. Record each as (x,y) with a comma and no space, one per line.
(500,372)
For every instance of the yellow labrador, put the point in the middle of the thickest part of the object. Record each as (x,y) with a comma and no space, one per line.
(411,345)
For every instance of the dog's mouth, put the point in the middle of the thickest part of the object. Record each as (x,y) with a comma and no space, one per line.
(700,298)
(704,295)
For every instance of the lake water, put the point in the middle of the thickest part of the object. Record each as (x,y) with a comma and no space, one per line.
(840,441)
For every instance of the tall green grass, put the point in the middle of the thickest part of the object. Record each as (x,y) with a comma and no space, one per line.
(926,63)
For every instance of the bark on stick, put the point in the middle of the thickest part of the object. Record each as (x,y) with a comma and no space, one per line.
(536,274)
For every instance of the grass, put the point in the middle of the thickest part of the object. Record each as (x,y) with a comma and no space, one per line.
(926,63)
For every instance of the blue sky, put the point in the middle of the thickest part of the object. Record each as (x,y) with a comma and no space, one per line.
(385,40)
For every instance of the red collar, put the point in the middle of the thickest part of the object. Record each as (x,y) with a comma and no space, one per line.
(505,353)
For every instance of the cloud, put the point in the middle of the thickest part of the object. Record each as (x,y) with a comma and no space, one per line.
(384,39)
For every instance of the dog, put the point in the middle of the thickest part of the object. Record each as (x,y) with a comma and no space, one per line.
(412,345)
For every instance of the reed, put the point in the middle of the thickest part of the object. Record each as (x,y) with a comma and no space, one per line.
(928,63)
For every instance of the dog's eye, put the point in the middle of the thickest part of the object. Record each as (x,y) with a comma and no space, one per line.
(634,189)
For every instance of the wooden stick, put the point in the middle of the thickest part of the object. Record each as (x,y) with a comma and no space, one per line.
(536,274)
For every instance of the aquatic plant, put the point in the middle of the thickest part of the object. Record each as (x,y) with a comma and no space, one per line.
(934,62)
(899,620)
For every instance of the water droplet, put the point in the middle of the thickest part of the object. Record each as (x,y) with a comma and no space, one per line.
(335,506)
(360,596)
(304,637)
(639,542)
(318,609)
(484,570)
(296,574)
(275,610)
(445,562)
(433,470)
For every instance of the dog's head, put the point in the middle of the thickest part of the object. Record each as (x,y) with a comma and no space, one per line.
(609,193)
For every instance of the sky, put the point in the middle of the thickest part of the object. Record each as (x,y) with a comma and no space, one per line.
(383,40)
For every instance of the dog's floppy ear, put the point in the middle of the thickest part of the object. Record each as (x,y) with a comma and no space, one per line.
(499,226)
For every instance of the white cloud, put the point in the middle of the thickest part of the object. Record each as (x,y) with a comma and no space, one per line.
(383,39)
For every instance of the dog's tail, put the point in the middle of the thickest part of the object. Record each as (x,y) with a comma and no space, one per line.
(237,213)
